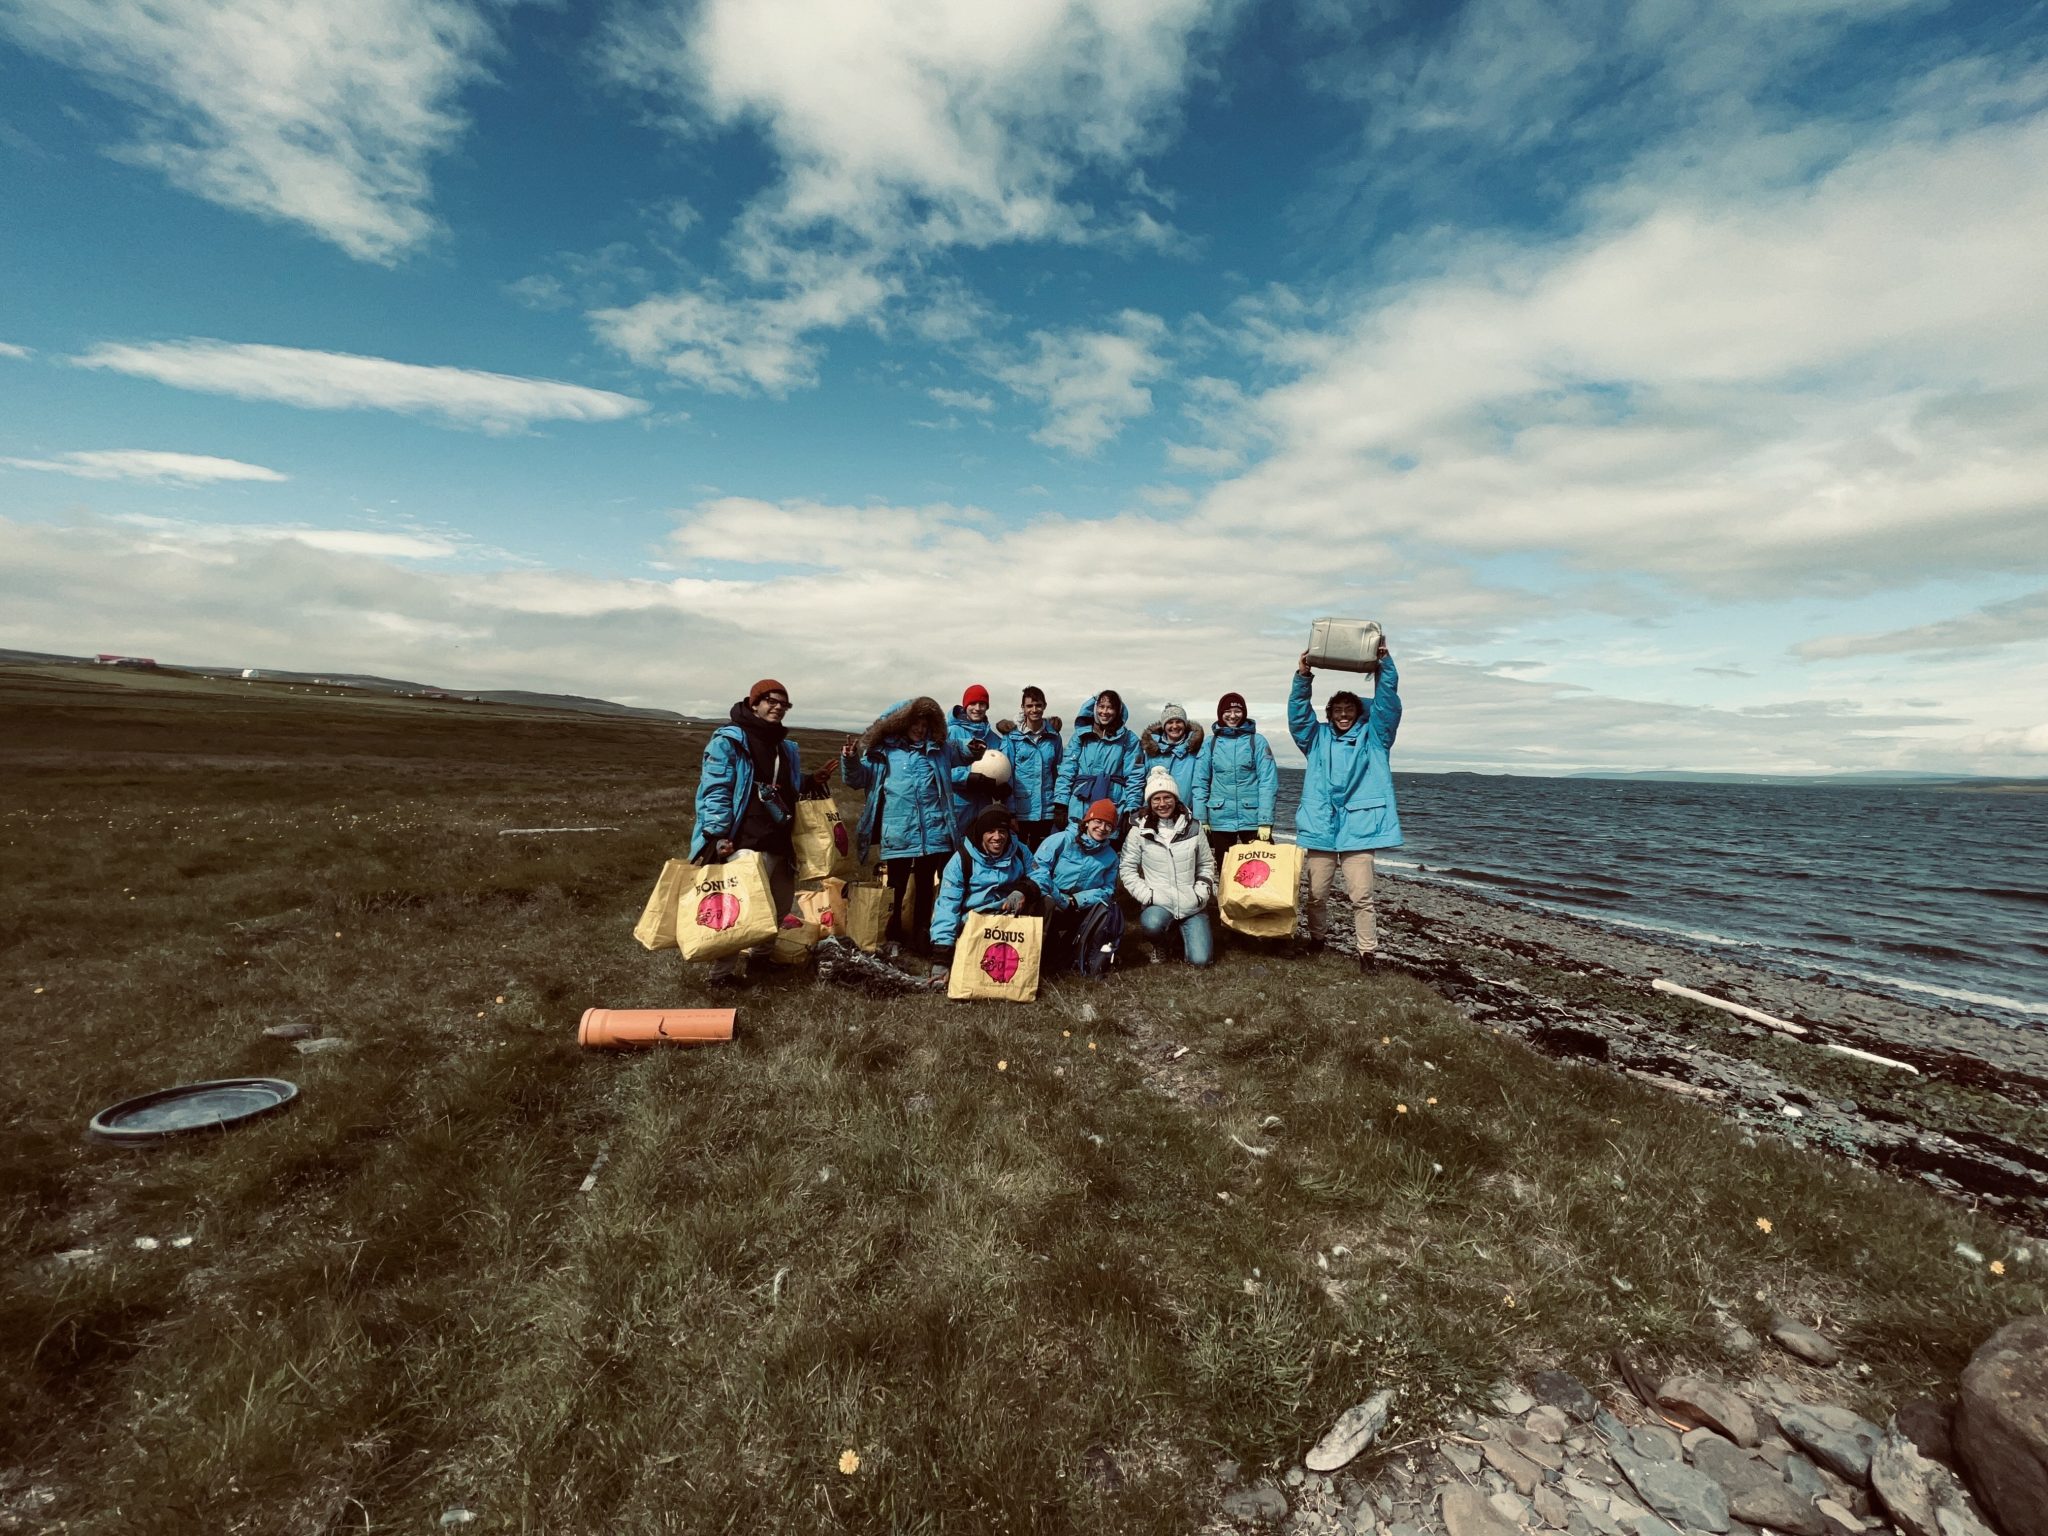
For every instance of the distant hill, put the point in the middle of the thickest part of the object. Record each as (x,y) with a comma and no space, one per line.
(1870,777)
(369,683)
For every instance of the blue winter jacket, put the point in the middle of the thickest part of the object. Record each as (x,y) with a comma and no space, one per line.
(976,883)
(1097,767)
(726,784)
(1347,796)
(1236,779)
(1076,871)
(910,803)
(1034,772)
(966,806)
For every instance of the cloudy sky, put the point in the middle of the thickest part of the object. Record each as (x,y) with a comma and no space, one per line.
(1671,379)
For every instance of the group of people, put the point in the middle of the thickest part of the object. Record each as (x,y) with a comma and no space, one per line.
(973,815)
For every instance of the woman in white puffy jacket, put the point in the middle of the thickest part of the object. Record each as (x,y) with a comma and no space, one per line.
(1170,871)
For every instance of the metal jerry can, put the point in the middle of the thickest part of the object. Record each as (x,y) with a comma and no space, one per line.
(1348,645)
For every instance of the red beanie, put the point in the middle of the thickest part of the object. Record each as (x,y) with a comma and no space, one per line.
(1229,699)
(975,694)
(1102,810)
(763,688)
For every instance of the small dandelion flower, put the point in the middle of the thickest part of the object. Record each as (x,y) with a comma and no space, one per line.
(1091,1045)
(479,1013)
(1507,1301)
(337,935)
(1763,1224)
(1066,1034)
(1400,1109)
(1998,1266)
(1386,1039)
(1002,1066)
(39,990)
(1432,1101)
(500,998)
(849,1462)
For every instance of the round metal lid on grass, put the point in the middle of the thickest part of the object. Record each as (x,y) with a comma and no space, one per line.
(192,1107)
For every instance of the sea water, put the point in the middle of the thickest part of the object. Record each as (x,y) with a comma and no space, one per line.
(1937,896)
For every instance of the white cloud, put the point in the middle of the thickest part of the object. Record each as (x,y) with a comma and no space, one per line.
(1841,381)
(963,400)
(206,541)
(2015,621)
(147,464)
(718,342)
(337,599)
(1091,382)
(325,117)
(9,349)
(903,128)
(468,397)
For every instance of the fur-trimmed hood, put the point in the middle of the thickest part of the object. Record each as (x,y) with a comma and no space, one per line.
(1156,744)
(897,720)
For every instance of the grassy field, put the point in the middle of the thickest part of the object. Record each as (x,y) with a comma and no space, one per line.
(1017,1260)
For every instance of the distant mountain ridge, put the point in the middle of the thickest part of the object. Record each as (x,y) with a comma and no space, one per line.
(369,682)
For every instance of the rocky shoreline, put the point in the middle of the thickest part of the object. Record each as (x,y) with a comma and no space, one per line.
(1580,992)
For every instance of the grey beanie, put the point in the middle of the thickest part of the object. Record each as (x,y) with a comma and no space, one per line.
(1172,712)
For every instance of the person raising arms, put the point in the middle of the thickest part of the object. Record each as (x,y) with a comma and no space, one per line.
(1347,794)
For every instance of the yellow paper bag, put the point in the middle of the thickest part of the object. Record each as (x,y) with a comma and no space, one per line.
(794,941)
(824,906)
(725,908)
(867,916)
(1260,890)
(996,957)
(818,839)
(657,926)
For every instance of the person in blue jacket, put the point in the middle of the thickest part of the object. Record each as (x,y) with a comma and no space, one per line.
(1347,794)
(1077,871)
(901,762)
(1174,742)
(1104,761)
(1034,749)
(746,799)
(1236,780)
(992,872)
(968,736)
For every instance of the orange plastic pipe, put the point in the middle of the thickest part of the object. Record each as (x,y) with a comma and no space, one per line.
(652,1026)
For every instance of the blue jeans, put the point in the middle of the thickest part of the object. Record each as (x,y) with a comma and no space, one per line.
(1195,939)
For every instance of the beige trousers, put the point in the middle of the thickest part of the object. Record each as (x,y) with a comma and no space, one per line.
(1357,867)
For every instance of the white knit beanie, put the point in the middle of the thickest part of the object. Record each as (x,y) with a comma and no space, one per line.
(1159,779)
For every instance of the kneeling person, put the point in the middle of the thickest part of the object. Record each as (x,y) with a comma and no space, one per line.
(1169,871)
(992,872)
(1077,871)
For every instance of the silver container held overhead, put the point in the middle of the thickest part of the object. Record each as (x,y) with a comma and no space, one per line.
(1347,645)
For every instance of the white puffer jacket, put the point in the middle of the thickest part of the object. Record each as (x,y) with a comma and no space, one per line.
(1169,865)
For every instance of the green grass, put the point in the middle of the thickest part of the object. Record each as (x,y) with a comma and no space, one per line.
(848,1230)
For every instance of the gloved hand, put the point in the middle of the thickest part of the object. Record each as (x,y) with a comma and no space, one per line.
(1265,834)
(1060,817)
(1012,904)
(975,750)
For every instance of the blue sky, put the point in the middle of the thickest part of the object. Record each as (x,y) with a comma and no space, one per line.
(1670,379)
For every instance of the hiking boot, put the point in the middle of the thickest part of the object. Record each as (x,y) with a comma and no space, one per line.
(728,981)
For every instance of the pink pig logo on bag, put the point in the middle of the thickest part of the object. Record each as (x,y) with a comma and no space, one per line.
(1252,874)
(718,911)
(999,962)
